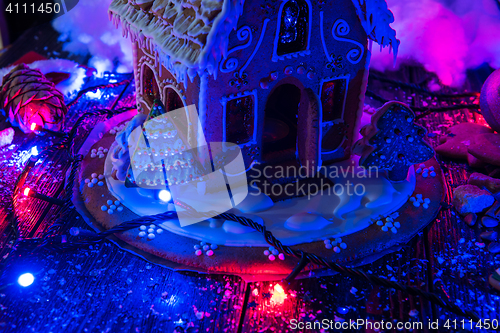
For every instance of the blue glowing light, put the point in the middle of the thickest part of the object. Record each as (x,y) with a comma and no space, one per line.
(34,151)
(164,196)
(26,280)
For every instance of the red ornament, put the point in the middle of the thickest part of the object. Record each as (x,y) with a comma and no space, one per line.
(28,98)
(490,100)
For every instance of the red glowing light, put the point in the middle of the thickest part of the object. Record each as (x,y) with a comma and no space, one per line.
(255,292)
(279,295)
(27,191)
(33,126)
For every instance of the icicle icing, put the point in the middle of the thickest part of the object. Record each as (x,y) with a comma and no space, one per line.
(376,19)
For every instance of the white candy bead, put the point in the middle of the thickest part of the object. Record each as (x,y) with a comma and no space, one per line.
(380,222)
(104,208)
(94,181)
(412,199)
(87,181)
(119,209)
(266,252)
(198,252)
(271,257)
(210,253)
(343,246)
(394,230)
(94,175)
(397,224)
(281,256)
(327,241)
(142,234)
(112,207)
(328,246)
(110,211)
(384,228)
(101,177)
(389,225)
(159,231)
(196,247)
(91,185)
(109,202)
(117,202)
(427,200)
(433,174)
(336,249)
(100,183)
(151,230)
(151,236)
(142,227)
(214,246)
(425,206)
(206,247)
(416,204)
(419,196)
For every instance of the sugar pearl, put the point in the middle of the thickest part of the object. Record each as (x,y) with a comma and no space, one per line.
(419,170)
(91,185)
(389,225)
(281,256)
(101,177)
(389,219)
(380,222)
(210,253)
(117,202)
(266,252)
(104,208)
(336,249)
(214,246)
(93,151)
(112,207)
(159,231)
(271,248)
(100,148)
(338,240)
(94,175)
(93,155)
(394,230)
(425,175)
(416,204)
(119,209)
(142,227)
(419,196)
(198,252)
(425,206)
(105,150)
(427,200)
(152,226)
(327,241)
(101,155)
(151,236)
(142,234)
(420,200)
(397,224)
(271,257)
(87,181)
(109,202)
(343,245)
(151,230)
(328,246)
(433,174)
(431,168)
(94,181)
(412,199)
(110,211)
(275,252)
(100,183)
(384,228)
(112,131)
(196,247)
(206,247)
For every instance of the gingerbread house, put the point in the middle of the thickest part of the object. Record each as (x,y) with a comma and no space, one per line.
(283,79)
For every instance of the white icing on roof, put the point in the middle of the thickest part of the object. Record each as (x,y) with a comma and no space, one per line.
(191,36)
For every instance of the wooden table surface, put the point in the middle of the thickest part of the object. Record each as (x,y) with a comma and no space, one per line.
(105,289)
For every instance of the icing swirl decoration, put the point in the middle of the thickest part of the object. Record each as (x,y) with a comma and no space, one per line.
(230,64)
(341,28)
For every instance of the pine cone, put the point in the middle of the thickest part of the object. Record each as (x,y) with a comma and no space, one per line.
(28,97)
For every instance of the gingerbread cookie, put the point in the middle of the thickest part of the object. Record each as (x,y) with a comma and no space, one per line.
(393,142)
(486,147)
(458,139)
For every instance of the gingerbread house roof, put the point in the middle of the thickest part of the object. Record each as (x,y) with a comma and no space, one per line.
(191,36)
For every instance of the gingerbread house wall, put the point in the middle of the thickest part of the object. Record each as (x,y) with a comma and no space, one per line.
(252,51)
(188,93)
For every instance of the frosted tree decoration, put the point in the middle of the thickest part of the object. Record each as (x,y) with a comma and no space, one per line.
(393,142)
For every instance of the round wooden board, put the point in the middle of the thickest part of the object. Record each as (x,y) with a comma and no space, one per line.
(177,252)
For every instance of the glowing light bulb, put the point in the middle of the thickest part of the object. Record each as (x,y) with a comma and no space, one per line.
(26,280)
(279,295)
(34,151)
(164,196)
(27,191)
(33,126)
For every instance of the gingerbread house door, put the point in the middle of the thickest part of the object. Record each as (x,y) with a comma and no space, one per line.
(291,125)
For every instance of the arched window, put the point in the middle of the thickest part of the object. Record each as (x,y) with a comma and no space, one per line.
(172,100)
(294,25)
(150,89)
